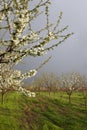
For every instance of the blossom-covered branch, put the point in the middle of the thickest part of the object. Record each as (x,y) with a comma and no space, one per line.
(18,34)
(19,38)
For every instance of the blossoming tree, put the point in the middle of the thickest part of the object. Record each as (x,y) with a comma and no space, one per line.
(19,38)
(46,82)
(71,82)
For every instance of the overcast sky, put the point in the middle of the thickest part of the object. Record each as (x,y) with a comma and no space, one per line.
(71,55)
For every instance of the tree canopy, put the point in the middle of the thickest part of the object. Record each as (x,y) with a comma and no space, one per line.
(19,39)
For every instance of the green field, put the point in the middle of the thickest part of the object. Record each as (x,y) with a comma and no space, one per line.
(43,112)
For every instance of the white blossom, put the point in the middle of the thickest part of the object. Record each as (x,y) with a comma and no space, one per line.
(29,74)
(51,36)
(1,16)
(26,92)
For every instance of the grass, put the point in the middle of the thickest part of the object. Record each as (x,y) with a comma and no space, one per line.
(43,112)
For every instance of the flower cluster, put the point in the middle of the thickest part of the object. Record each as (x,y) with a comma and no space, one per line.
(37,51)
(29,74)
(9,78)
(21,21)
(1,16)
(26,92)
(52,36)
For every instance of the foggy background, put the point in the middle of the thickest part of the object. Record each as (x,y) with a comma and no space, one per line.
(71,56)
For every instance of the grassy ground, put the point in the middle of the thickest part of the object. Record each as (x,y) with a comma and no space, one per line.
(43,112)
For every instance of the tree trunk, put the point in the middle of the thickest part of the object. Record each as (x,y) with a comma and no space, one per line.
(85,102)
(54,92)
(69,98)
(2,98)
(49,91)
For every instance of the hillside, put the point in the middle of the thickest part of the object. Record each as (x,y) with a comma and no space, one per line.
(42,113)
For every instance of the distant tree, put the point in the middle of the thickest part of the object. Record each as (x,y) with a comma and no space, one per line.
(47,82)
(83,90)
(84,93)
(19,38)
(71,82)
